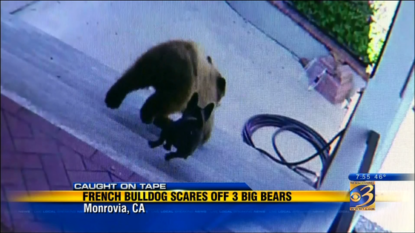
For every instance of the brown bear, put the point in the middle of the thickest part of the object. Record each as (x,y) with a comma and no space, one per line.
(175,69)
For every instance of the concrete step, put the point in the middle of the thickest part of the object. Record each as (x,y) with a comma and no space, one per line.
(262,76)
(55,80)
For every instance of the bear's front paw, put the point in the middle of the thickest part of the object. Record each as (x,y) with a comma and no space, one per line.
(154,144)
(113,100)
(146,118)
(167,146)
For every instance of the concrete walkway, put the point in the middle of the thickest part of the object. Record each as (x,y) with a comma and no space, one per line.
(280,27)
(67,88)
(262,76)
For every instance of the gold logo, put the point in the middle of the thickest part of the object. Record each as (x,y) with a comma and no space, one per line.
(362,195)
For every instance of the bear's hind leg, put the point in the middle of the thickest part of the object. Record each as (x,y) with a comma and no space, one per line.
(162,121)
(161,105)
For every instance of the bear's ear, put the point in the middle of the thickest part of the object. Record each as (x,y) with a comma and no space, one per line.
(207,111)
(209,59)
(193,101)
(221,84)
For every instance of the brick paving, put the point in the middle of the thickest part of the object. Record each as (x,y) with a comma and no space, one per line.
(36,155)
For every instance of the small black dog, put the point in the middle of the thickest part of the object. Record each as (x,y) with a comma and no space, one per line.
(185,134)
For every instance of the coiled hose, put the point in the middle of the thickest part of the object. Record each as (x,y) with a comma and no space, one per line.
(288,124)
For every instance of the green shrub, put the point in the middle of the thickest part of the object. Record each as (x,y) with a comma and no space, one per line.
(354,24)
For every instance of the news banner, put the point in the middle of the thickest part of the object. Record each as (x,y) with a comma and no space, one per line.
(199,203)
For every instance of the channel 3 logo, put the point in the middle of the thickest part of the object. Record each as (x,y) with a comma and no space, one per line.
(362,195)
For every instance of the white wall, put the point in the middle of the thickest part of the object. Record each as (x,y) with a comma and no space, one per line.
(381,109)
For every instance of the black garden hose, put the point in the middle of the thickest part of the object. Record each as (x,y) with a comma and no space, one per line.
(288,124)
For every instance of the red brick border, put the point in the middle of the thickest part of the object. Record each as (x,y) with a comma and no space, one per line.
(36,155)
(321,37)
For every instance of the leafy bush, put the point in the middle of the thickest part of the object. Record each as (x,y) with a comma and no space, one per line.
(357,25)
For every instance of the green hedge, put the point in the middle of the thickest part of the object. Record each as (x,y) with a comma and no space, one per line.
(357,25)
